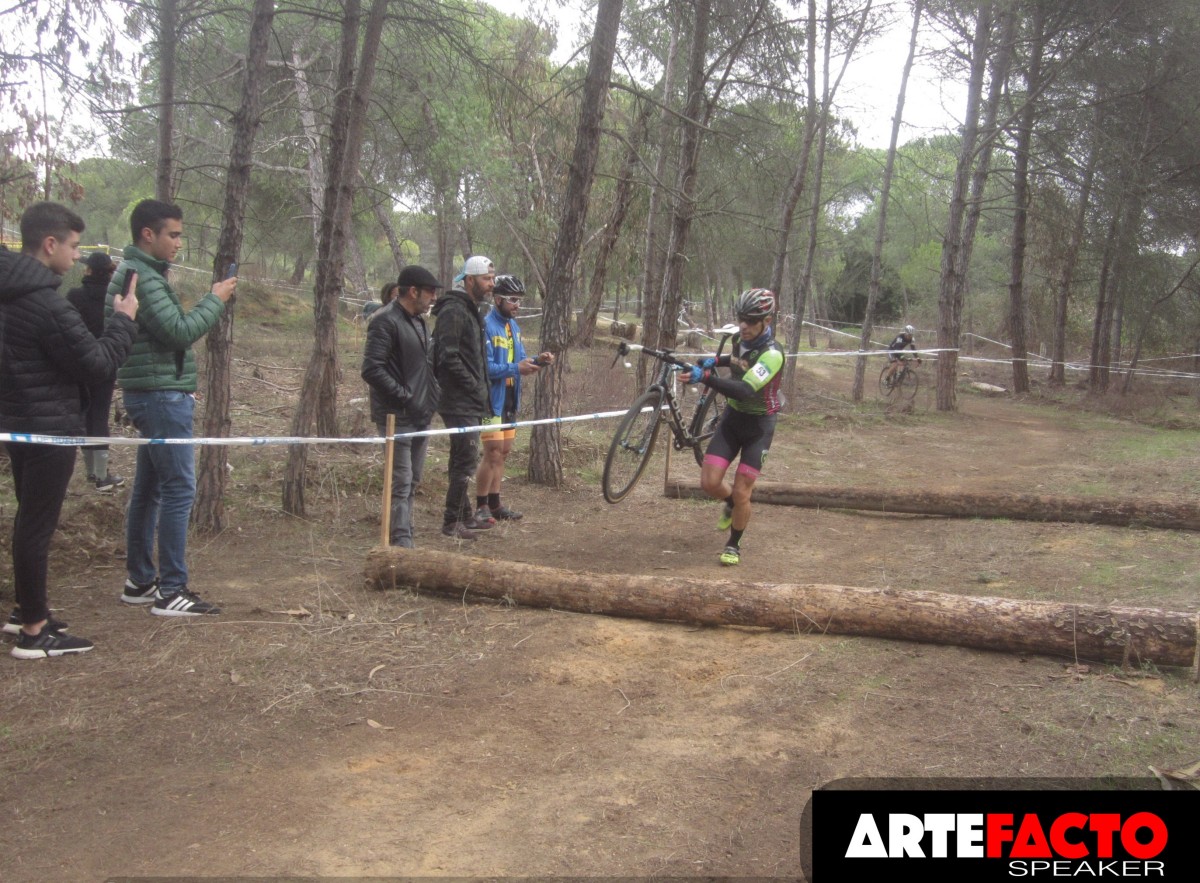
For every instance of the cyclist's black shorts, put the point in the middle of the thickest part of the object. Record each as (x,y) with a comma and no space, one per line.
(749,434)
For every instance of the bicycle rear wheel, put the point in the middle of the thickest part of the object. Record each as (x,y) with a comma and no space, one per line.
(704,422)
(905,385)
(708,412)
(631,446)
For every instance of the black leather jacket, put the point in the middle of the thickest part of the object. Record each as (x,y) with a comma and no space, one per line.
(398,366)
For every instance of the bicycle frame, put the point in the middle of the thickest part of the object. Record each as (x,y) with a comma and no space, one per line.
(634,441)
(664,381)
(686,436)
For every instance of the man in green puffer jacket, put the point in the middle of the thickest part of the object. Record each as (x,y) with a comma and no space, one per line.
(158,385)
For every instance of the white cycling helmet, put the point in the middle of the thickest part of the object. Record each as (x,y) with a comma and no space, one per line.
(908,329)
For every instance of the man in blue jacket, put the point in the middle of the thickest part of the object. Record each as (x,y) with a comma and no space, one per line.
(506,365)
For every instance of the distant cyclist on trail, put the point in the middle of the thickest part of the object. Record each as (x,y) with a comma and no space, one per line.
(748,423)
(902,341)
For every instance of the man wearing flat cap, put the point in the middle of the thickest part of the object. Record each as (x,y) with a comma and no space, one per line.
(460,365)
(398,367)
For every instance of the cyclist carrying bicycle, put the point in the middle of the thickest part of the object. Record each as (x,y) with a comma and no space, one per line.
(902,341)
(748,423)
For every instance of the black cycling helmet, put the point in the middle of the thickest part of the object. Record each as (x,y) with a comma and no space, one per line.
(755,303)
(508,286)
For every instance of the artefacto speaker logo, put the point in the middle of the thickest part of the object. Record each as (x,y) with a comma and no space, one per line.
(1075,843)
(980,835)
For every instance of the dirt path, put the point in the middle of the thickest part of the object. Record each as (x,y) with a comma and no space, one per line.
(319,728)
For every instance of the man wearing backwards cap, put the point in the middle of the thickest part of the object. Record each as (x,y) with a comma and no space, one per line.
(398,367)
(460,365)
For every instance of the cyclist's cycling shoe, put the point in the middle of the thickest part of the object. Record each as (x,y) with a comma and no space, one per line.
(726,519)
(731,556)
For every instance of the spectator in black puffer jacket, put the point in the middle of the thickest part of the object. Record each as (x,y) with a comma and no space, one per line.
(47,357)
(460,365)
(88,298)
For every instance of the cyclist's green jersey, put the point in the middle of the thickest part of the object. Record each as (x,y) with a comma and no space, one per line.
(759,369)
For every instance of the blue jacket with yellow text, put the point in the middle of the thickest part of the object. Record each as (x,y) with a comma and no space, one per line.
(503,354)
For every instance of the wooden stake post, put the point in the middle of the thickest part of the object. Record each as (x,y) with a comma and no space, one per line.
(389,454)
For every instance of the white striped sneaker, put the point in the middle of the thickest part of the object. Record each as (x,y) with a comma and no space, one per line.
(139,593)
(183,603)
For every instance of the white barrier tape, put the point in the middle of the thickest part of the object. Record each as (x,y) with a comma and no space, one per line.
(262,441)
(818,353)
(1115,370)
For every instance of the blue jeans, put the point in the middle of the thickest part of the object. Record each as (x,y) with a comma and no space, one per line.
(164,488)
(408,463)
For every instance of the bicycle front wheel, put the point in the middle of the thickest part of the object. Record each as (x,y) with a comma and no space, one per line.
(632,445)
(704,422)
(887,387)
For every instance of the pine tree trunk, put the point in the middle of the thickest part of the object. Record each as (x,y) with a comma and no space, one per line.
(168,43)
(950,295)
(860,364)
(545,454)
(318,394)
(1122,512)
(795,188)
(650,293)
(585,330)
(209,512)
(684,208)
(1024,144)
(1074,631)
(1058,354)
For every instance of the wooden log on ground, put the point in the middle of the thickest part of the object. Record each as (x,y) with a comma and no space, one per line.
(1025,507)
(1076,631)
(623,330)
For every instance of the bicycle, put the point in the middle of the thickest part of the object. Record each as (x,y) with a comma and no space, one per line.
(902,386)
(634,440)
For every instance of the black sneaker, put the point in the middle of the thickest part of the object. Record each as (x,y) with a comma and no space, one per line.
(139,593)
(13,626)
(503,513)
(477,524)
(183,603)
(459,531)
(48,643)
(109,484)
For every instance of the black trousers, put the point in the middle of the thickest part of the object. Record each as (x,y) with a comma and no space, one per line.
(464,458)
(41,474)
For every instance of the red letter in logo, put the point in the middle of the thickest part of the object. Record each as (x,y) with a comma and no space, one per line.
(1158,835)
(1031,840)
(1058,835)
(1105,824)
(999,831)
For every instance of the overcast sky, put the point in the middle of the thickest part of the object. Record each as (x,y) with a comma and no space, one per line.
(867,94)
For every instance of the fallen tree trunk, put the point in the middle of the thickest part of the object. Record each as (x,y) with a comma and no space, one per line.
(1076,631)
(1025,507)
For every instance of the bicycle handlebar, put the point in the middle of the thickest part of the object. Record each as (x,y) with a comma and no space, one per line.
(662,355)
